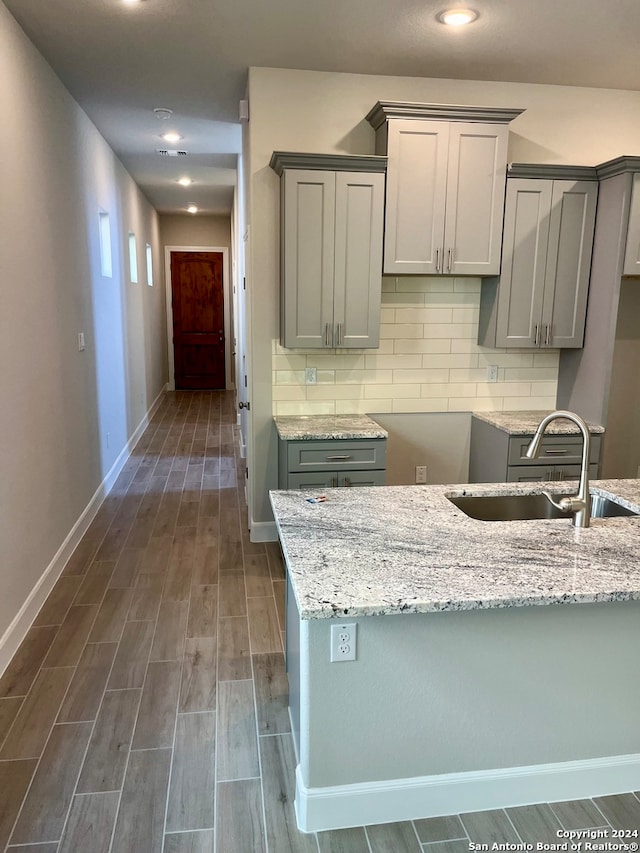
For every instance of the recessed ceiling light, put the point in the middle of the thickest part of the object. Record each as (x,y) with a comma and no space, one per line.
(185,182)
(171,137)
(457,17)
(192,209)
(162,113)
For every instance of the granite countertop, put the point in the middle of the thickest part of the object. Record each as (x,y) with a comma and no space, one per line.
(327,427)
(526,423)
(407,549)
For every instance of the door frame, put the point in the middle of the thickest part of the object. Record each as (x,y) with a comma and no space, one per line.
(226,289)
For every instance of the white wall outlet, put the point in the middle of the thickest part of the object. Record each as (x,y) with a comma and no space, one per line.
(492,373)
(310,375)
(81,345)
(343,642)
(421,473)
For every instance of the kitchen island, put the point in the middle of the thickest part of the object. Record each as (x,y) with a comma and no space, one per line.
(467,692)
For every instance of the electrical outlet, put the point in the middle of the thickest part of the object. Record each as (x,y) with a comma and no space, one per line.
(492,373)
(421,473)
(343,642)
(311,375)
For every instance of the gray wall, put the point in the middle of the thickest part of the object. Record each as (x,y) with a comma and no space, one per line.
(199,230)
(438,440)
(65,415)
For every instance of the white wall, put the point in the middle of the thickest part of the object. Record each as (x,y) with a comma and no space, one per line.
(65,415)
(324,112)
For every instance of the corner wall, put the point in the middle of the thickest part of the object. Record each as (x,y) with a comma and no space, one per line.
(66,415)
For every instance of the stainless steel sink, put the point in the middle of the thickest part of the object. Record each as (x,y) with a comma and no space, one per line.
(524,507)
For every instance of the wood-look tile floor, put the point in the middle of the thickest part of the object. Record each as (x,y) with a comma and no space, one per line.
(146,710)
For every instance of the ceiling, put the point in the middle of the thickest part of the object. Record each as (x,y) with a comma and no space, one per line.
(121,61)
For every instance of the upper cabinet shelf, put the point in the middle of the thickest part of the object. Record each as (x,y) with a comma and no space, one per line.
(446,176)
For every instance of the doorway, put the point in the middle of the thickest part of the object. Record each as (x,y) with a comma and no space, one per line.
(198,318)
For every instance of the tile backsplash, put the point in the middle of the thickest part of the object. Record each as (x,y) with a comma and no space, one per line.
(428,361)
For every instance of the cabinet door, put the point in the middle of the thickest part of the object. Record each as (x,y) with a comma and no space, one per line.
(308,214)
(358,259)
(353,479)
(568,267)
(415,197)
(632,252)
(522,277)
(312,480)
(476,179)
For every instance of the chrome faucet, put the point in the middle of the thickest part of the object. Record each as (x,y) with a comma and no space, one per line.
(579,505)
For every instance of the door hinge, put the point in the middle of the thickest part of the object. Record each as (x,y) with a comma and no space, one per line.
(245,381)
(244,282)
(246,473)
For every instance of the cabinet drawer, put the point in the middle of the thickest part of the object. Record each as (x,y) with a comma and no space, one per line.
(554,449)
(547,473)
(336,456)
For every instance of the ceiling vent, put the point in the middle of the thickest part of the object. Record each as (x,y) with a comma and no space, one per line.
(165,152)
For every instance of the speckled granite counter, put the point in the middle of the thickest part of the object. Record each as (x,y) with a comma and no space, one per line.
(327,427)
(526,423)
(368,552)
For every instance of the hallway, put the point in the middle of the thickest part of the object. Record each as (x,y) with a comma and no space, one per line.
(146,710)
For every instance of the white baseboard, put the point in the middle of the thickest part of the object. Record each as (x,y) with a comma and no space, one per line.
(394,800)
(263,531)
(17,630)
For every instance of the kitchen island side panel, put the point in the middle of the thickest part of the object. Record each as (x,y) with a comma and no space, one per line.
(450,692)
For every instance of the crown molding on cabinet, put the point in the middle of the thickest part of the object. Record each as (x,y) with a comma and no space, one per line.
(618,167)
(552,171)
(385,110)
(281,160)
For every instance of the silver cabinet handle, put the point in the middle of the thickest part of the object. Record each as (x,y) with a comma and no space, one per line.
(562,452)
(437,260)
(339,335)
(327,335)
(334,482)
(536,338)
(450,260)
(347,482)
(336,458)
(547,335)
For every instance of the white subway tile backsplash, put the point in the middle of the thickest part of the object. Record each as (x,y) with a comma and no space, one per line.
(363,407)
(396,391)
(406,330)
(422,375)
(424,315)
(381,362)
(436,345)
(428,360)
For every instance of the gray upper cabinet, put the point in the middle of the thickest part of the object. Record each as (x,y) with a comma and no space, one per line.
(445,187)
(632,252)
(540,299)
(331,250)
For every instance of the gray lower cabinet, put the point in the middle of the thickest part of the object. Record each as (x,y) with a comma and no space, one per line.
(331,224)
(312,464)
(497,457)
(540,299)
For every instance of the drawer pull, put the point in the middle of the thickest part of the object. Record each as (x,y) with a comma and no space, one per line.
(347,482)
(561,452)
(336,458)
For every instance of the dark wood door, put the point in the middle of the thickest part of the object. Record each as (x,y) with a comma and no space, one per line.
(198,319)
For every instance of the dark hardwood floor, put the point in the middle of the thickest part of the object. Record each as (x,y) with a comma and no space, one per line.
(146,709)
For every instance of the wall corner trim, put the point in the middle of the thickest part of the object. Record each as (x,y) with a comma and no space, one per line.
(388,801)
(17,630)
